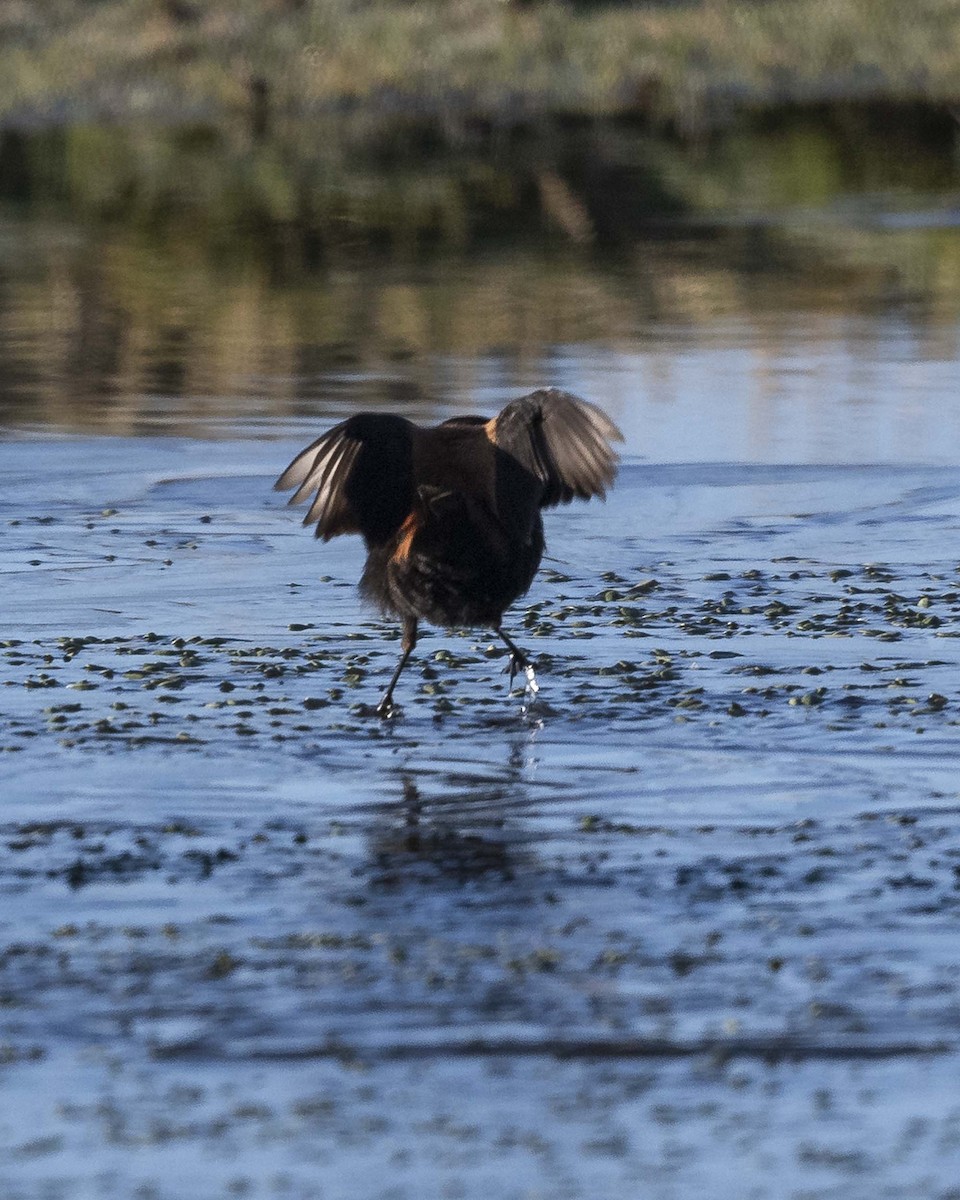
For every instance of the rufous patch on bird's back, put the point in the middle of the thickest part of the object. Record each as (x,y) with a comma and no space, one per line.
(407,532)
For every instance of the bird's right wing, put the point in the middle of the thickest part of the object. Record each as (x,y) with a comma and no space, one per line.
(563,441)
(361,472)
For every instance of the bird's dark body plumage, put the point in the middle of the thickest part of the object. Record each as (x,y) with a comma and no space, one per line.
(451,515)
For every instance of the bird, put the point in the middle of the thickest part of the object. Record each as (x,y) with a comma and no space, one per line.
(451,515)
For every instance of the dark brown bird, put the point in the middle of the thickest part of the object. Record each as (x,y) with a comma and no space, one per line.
(451,515)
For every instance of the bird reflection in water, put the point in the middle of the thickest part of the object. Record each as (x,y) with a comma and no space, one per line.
(457,843)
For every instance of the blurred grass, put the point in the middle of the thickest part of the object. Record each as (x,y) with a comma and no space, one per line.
(686,64)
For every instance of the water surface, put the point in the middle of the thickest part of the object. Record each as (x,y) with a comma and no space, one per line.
(687,919)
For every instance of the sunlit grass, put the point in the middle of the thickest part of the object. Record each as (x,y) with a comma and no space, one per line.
(689,63)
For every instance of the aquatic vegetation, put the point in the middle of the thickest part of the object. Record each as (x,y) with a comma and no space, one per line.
(301,690)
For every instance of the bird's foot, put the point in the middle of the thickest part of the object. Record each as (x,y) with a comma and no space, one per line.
(520,664)
(386,709)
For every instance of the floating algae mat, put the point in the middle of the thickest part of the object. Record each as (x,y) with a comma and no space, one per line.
(689,915)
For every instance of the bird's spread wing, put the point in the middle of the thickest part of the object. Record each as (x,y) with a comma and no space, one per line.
(361,472)
(562,440)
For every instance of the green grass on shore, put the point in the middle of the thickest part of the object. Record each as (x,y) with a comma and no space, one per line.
(686,64)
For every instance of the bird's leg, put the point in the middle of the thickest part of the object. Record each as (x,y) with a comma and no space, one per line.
(408,642)
(519,662)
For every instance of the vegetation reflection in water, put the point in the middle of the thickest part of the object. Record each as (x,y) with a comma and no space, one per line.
(155,275)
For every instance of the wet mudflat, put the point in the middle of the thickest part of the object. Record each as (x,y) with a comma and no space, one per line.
(686,920)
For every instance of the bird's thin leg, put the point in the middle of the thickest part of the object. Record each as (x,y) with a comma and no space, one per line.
(408,642)
(519,662)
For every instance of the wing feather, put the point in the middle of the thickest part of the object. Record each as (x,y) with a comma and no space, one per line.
(316,470)
(331,499)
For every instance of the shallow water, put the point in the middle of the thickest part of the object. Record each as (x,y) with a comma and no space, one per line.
(684,924)
(704,886)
